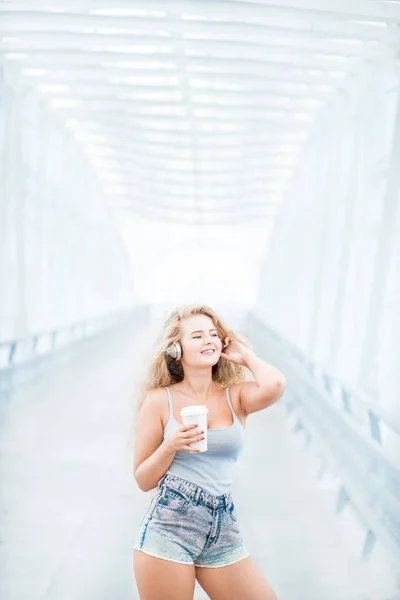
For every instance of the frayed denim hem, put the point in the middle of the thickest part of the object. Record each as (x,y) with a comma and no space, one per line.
(221,566)
(181,562)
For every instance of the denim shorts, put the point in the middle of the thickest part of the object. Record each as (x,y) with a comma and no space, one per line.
(185,523)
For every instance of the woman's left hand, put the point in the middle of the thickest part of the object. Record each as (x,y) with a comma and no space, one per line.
(235,351)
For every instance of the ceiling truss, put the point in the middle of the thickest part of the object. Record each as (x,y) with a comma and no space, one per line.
(193,111)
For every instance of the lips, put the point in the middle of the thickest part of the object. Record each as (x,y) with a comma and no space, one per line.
(208,352)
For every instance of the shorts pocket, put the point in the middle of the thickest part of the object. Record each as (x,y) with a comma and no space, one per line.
(172,500)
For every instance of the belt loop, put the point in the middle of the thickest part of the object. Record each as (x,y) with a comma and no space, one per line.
(197,495)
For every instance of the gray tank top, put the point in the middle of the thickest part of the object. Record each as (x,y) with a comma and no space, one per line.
(213,469)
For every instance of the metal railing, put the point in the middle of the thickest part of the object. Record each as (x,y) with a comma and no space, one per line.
(21,360)
(348,429)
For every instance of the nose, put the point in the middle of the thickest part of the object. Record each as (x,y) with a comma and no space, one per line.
(208,342)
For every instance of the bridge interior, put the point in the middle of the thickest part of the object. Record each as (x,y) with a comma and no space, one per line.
(240,154)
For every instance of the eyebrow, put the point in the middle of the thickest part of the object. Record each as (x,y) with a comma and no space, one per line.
(201,330)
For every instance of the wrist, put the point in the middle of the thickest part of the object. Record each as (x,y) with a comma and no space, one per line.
(168,447)
(248,355)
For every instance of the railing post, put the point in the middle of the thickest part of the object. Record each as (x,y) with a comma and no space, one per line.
(374,425)
(369,544)
(343,500)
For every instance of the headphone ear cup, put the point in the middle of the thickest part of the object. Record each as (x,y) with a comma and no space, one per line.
(175,351)
(171,351)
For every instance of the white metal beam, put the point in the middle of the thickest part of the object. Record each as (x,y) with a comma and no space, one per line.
(252,161)
(237,85)
(224,90)
(172,146)
(179,110)
(300,28)
(268,199)
(267,43)
(217,140)
(271,121)
(116,51)
(180,178)
(100,101)
(213,203)
(162,170)
(100,90)
(54,68)
(196,216)
(266,77)
(231,10)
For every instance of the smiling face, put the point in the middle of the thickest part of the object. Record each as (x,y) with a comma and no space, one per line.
(200,342)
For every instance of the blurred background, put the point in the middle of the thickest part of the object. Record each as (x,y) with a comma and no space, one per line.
(235,153)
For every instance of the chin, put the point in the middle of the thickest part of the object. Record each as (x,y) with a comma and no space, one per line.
(214,360)
(211,360)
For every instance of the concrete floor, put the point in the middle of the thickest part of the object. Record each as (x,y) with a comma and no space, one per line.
(70,508)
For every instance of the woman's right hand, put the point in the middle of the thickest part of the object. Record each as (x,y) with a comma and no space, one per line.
(183,437)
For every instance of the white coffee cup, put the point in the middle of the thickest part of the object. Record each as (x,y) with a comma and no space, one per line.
(196,414)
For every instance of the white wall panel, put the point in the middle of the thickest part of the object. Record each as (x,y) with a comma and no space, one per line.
(61,256)
(319,278)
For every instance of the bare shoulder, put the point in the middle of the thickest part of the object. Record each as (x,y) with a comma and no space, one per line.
(155,396)
(234,393)
(156,400)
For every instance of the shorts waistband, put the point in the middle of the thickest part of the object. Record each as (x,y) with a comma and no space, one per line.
(196,493)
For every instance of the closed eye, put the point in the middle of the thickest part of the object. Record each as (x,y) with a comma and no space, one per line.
(197,336)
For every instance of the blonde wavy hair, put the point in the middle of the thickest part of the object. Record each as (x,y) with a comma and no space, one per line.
(164,370)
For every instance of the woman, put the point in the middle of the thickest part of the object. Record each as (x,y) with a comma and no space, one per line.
(190,530)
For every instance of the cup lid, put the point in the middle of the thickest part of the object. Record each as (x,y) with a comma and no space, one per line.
(197,409)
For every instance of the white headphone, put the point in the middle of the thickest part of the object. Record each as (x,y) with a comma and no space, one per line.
(175,350)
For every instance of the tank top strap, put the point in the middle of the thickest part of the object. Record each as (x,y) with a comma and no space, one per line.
(230,403)
(171,410)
